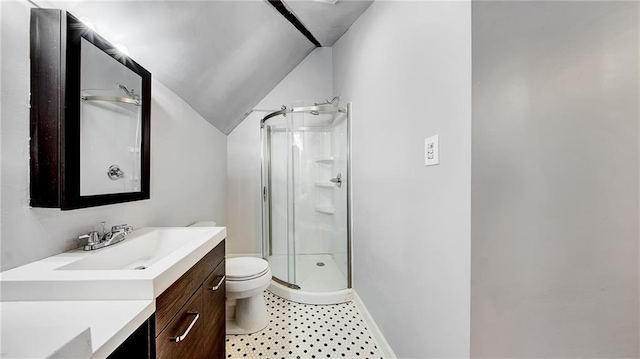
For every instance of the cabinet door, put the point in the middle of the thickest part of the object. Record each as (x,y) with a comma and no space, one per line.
(213,295)
(172,299)
(184,336)
(140,343)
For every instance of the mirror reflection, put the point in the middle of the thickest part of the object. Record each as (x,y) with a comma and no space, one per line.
(110,124)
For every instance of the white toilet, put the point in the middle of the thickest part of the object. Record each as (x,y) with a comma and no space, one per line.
(246,280)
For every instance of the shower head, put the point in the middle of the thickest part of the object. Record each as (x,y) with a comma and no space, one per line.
(131,93)
(334,101)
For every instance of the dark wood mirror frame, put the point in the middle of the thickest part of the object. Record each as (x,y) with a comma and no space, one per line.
(55,113)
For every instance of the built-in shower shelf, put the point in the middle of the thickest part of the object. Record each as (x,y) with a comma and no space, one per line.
(325,210)
(325,160)
(327,185)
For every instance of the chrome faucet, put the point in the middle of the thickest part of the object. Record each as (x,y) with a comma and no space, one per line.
(93,240)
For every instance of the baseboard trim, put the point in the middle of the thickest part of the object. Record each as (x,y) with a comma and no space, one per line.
(383,345)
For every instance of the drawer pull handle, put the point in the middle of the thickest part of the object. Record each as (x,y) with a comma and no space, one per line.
(186,332)
(217,286)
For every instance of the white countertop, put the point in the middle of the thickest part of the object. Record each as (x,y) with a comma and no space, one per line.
(84,304)
(82,329)
(46,279)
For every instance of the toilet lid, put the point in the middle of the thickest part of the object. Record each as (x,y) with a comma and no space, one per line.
(243,268)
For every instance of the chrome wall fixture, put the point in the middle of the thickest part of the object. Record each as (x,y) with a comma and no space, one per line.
(337,180)
(115,173)
(131,93)
(335,101)
(133,98)
(128,100)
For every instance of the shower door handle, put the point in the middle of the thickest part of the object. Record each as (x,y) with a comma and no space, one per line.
(337,180)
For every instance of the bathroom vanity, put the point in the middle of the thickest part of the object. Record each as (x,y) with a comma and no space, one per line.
(189,321)
(190,315)
(160,292)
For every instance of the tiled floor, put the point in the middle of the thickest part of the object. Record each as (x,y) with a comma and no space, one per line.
(306,331)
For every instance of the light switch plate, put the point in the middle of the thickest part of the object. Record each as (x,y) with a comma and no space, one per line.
(431,151)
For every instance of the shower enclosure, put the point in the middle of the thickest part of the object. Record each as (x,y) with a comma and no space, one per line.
(305,201)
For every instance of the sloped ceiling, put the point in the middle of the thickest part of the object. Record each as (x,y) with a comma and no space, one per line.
(221,57)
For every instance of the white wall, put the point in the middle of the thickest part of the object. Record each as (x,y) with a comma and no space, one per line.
(406,66)
(1,96)
(311,80)
(555,180)
(188,164)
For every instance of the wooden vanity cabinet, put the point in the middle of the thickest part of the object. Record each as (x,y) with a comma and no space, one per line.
(213,299)
(184,335)
(190,315)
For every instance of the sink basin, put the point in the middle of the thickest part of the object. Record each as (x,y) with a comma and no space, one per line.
(142,266)
(139,254)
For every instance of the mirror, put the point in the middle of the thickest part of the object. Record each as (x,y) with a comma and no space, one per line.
(110,124)
(90,117)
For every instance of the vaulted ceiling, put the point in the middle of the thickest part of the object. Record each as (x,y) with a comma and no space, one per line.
(221,57)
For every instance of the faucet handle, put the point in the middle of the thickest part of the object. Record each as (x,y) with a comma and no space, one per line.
(91,238)
(122,227)
(104,230)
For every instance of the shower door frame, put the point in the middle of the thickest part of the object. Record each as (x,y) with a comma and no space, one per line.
(266,203)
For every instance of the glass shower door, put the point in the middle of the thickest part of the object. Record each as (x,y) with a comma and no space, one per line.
(320,202)
(305,198)
(278,228)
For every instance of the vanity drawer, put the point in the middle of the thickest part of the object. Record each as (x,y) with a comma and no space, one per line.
(184,335)
(213,307)
(172,299)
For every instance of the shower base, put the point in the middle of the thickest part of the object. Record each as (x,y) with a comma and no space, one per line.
(319,284)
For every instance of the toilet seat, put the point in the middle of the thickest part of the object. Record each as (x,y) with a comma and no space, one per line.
(245,268)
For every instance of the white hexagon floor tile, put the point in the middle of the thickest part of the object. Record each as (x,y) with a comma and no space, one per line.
(306,331)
